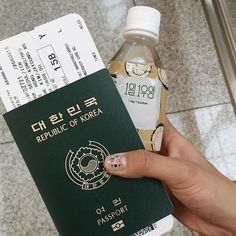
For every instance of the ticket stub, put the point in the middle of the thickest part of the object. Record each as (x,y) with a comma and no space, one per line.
(35,63)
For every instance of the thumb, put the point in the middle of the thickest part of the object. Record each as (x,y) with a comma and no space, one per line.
(141,163)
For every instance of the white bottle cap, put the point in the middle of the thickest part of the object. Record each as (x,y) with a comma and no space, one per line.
(144,21)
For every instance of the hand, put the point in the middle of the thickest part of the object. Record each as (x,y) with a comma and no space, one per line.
(204,200)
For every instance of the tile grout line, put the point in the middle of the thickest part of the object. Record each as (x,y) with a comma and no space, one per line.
(196,108)
(7,142)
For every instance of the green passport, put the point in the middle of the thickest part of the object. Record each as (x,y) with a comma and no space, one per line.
(64,138)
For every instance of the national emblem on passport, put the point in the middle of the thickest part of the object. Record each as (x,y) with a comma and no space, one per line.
(85,166)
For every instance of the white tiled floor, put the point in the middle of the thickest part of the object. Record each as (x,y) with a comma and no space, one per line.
(212,130)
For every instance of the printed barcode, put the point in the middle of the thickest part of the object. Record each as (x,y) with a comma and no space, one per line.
(143,231)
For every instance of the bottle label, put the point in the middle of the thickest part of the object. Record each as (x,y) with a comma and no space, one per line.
(143,89)
(141,96)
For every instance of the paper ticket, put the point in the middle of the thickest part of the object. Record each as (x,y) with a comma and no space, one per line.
(35,63)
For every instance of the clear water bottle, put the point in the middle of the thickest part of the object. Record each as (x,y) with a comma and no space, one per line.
(139,76)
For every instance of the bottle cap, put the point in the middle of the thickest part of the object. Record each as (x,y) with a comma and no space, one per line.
(144,21)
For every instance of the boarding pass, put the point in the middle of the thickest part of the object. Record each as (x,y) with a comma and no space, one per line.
(35,63)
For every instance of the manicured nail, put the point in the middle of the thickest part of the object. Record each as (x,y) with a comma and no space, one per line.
(116,162)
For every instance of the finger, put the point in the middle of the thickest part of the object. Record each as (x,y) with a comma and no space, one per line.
(176,145)
(168,136)
(142,163)
(172,140)
(171,137)
(169,129)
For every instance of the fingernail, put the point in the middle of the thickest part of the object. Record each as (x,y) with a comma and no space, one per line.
(116,162)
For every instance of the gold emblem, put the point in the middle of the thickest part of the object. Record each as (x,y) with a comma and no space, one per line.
(118,225)
(85,166)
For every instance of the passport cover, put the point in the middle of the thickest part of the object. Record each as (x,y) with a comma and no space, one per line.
(64,138)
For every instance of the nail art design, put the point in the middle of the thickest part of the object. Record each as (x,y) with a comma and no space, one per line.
(116,161)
